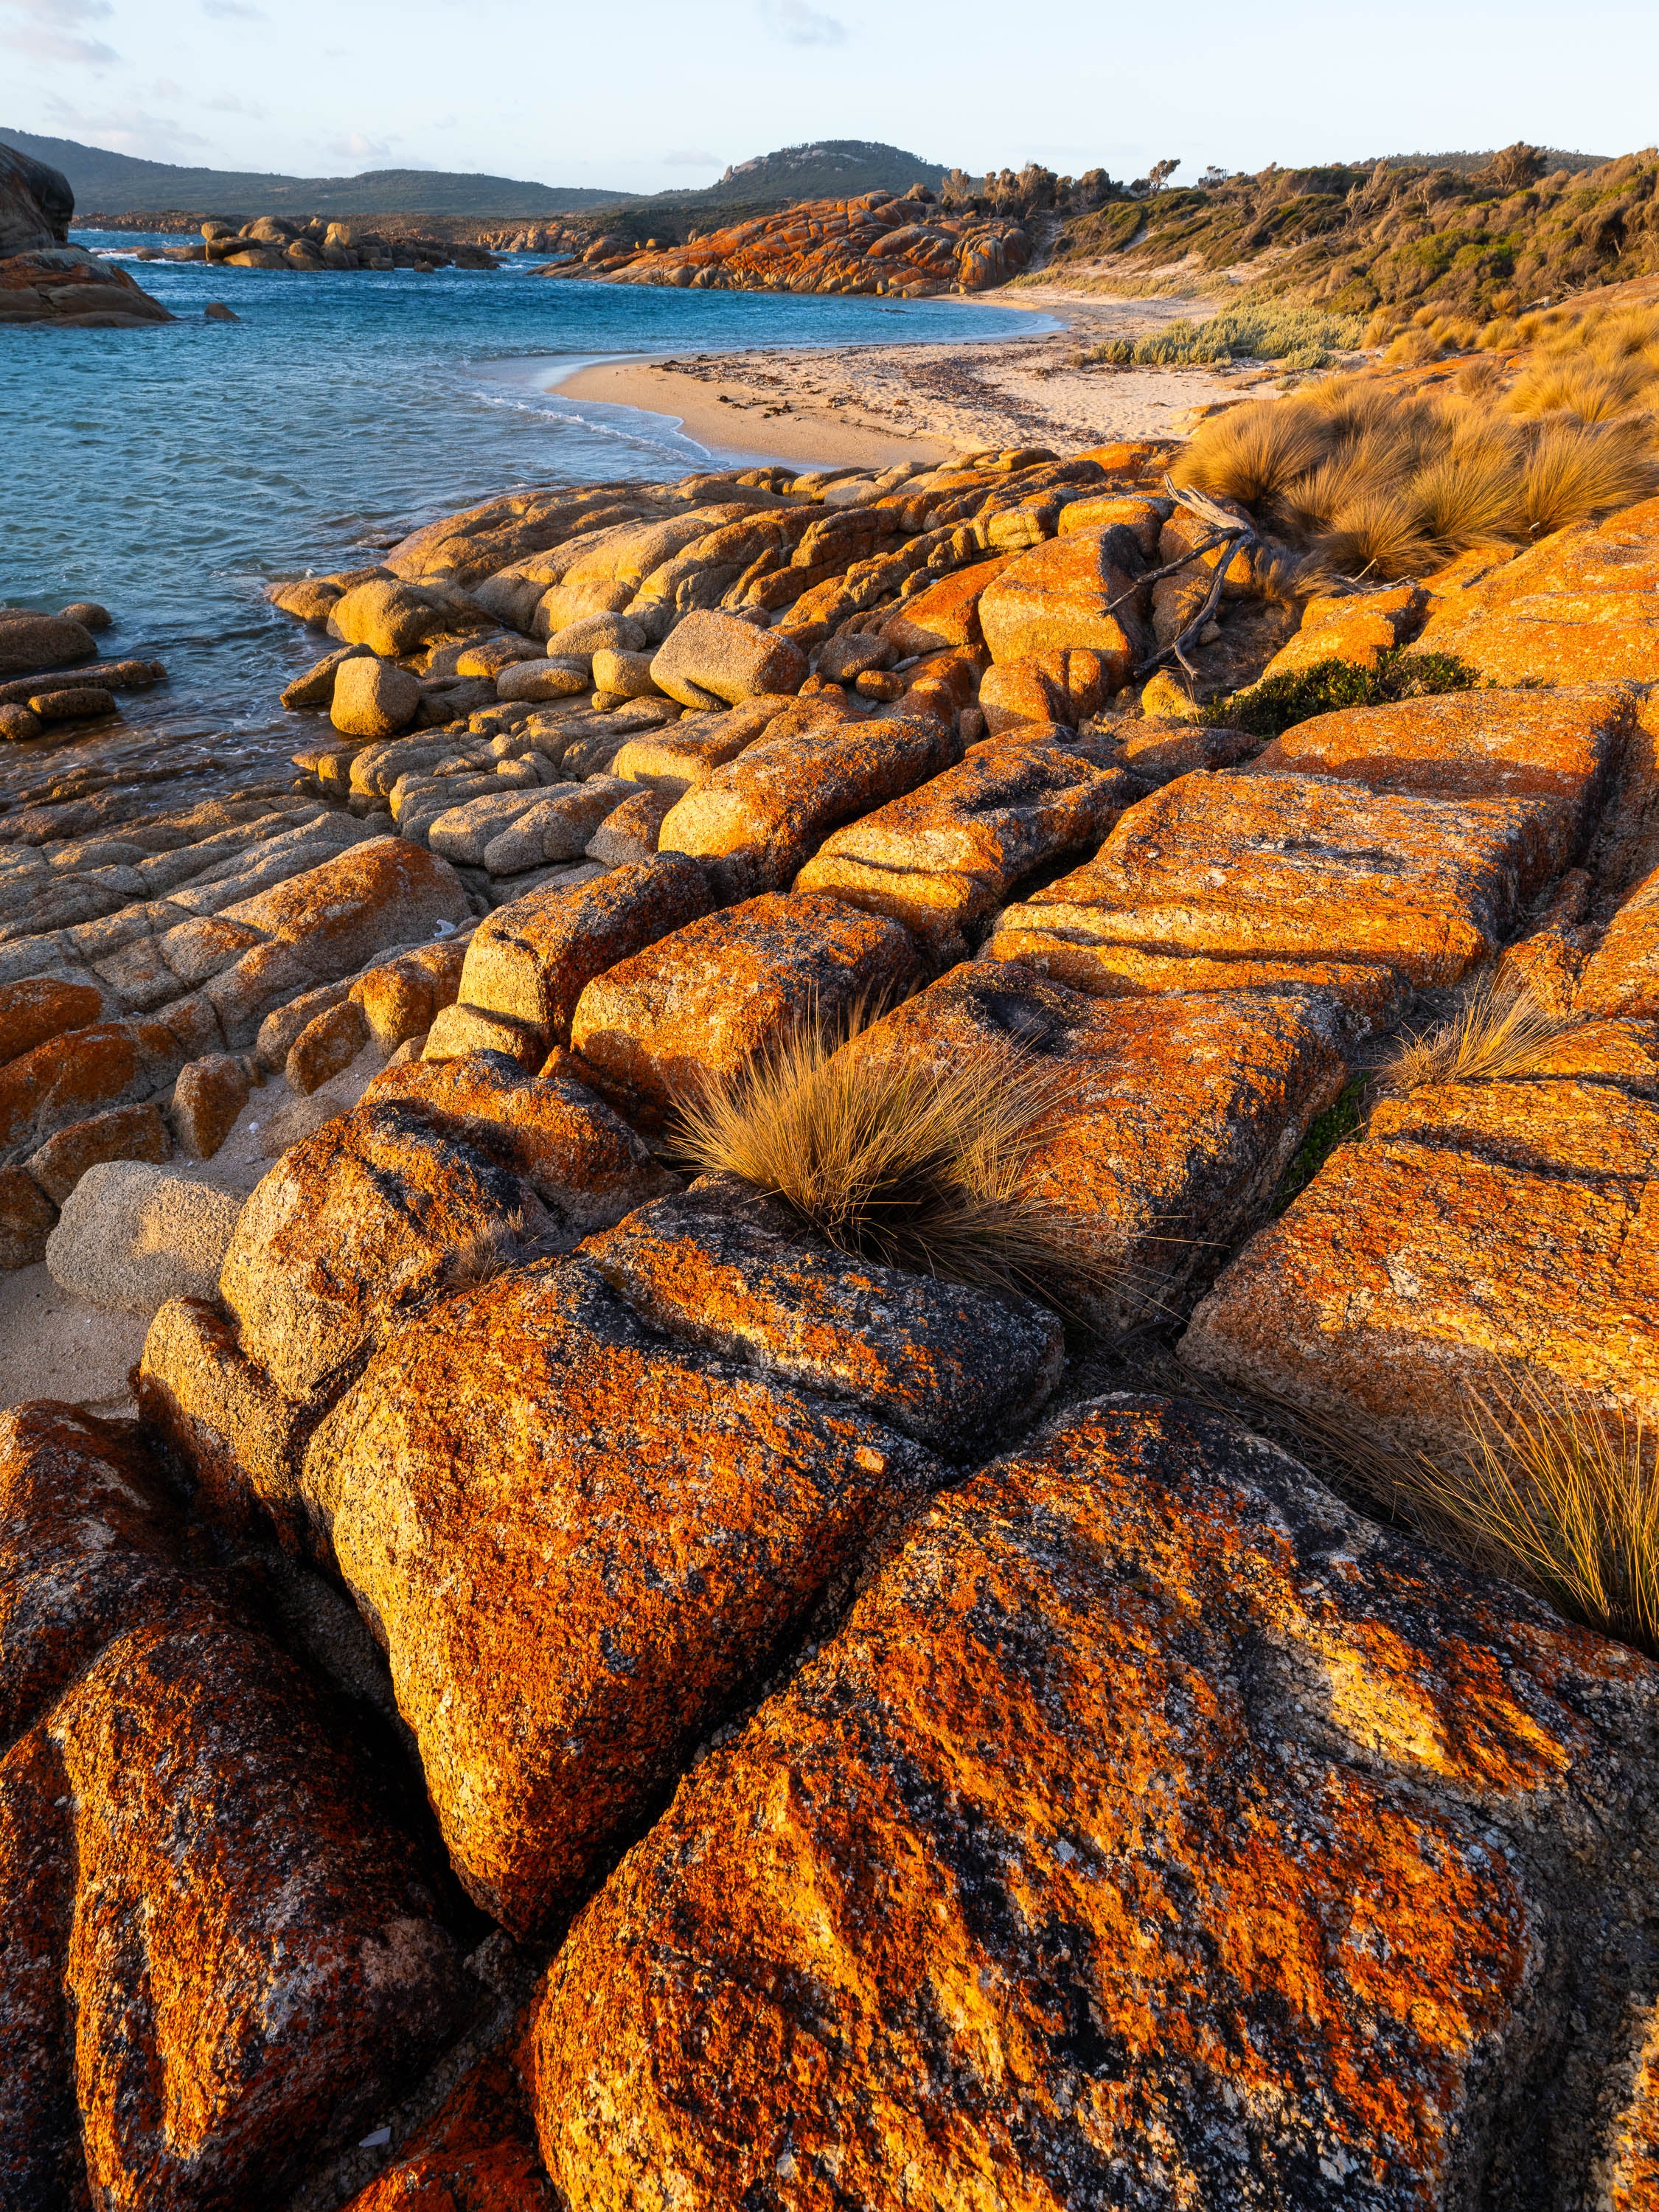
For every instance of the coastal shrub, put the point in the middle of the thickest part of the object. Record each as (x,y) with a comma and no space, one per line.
(892,1160)
(1498,1033)
(1262,333)
(1383,484)
(1556,1493)
(1269,709)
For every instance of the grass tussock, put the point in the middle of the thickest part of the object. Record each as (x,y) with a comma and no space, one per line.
(1382,484)
(1498,1034)
(895,1162)
(1558,1493)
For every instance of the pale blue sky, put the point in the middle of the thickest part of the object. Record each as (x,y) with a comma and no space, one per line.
(649,94)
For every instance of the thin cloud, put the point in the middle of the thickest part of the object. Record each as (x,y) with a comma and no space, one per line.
(124,130)
(47,34)
(688,160)
(229,103)
(797,25)
(234,11)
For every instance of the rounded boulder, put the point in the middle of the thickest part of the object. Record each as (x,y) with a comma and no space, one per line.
(132,1236)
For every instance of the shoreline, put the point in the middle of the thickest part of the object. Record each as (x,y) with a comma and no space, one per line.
(869,406)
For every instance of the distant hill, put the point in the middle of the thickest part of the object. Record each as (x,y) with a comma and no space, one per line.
(119,184)
(115,183)
(826,169)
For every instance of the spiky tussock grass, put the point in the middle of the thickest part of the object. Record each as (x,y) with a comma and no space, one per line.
(1556,1491)
(1498,1033)
(897,1162)
(1381,483)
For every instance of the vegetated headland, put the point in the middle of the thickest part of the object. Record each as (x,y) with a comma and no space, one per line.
(870,1303)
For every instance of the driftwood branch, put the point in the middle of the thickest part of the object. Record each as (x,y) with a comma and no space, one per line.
(1224,530)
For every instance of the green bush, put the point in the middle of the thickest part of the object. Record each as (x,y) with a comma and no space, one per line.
(1264,333)
(1268,709)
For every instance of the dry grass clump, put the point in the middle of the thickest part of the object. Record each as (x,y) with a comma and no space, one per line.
(894,1161)
(1498,1034)
(1558,1493)
(1382,483)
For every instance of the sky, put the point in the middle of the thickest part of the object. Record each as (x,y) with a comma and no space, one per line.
(651,95)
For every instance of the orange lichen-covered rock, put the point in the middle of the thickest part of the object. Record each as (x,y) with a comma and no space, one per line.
(756,821)
(40,1008)
(87,1548)
(709,998)
(945,857)
(712,657)
(478,2153)
(1582,606)
(1556,750)
(1175,1116)
(1485,1237)
(124,1133)
(946,614)
(1621,976)
(533,959)
(575,1548)
(26,1218)
(401,997)
(293,1967)
(352,1229)
(218,1956)
(70,1076)
(689,751)
(585,1165)
(1074,591)
(720,1268)
(1063,685)
(223,1423)
(1287,869)
(1186,1838)
(1360,629)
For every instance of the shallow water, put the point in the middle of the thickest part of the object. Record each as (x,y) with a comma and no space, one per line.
(169,472)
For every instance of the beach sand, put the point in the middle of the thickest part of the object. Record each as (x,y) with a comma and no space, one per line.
(869,406)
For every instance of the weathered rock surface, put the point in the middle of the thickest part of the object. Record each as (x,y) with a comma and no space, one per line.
(1276,874)
(575,1548)
(131,1235)
(713,658)
(945,857)
(1175,1116)
(352,1230)
(219,1954)
(756,821)
(534,959)
(1075,592)
(710,997)
(722,1268)
(1480,1229)
(1191,1839)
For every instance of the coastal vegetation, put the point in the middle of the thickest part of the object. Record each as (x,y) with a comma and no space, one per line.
(1383,481)
(892,1159)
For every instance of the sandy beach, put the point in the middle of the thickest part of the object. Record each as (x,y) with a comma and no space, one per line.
(869,406)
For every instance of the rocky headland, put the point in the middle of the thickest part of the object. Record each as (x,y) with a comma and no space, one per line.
(561,1683)
(45,279)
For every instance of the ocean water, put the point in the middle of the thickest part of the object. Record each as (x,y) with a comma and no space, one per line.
(169,472)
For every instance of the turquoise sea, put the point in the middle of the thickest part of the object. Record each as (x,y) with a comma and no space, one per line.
(167,472)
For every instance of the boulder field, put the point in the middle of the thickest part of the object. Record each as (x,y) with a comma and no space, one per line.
(907,247)
(571,1691)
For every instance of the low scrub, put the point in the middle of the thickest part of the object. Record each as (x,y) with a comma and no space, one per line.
(1300,338)
(1382,483)
(894,1161)
(1269,709)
